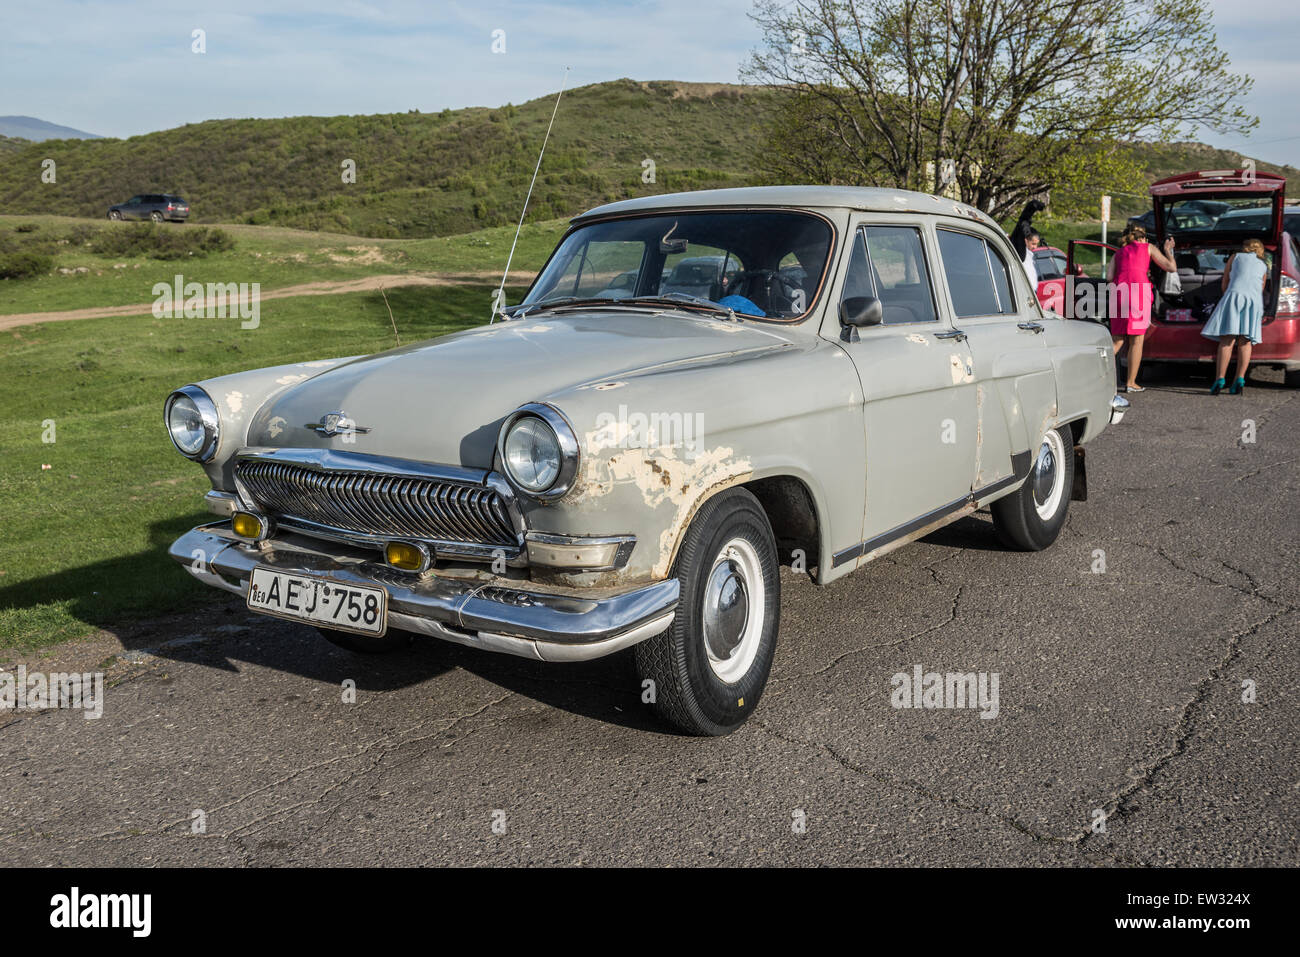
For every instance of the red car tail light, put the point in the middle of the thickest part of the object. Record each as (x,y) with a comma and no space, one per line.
(1288,296)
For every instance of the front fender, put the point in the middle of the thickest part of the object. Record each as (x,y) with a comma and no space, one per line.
(655,447)
(238,397)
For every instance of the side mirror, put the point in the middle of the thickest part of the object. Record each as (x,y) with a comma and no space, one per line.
(860,311)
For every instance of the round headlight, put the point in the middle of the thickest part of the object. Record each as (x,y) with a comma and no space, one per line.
(192,423)
(533,454)
(539,452)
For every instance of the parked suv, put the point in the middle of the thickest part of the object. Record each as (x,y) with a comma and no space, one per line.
(155,206)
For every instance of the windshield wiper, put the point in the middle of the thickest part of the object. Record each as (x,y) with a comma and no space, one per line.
(523,310)
(676,298)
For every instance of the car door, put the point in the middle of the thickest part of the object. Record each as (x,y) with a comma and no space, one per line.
(1015,389)
(1087,294)
(918,389)
(132,208)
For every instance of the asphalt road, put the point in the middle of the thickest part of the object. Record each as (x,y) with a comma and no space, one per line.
(1120,701)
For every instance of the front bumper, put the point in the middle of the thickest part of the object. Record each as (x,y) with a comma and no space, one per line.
(495,614)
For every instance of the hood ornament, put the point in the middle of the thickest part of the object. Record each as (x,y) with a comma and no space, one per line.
(337,423)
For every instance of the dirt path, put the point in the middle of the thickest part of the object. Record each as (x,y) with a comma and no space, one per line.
(326,287)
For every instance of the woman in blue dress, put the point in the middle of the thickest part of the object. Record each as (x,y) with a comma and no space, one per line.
(1238,319)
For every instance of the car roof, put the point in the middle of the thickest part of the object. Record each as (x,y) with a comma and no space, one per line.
(871,199)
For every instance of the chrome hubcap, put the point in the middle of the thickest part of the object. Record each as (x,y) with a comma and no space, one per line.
(726,609)
(733,610)
(1048,477)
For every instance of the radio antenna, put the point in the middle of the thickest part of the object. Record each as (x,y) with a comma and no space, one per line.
(499,301)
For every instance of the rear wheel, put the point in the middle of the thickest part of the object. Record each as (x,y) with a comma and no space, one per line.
(367,644)
(709,669)
(1030,518)
(1292,378)
(156,216)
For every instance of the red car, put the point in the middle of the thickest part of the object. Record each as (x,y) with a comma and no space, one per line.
(1246,205)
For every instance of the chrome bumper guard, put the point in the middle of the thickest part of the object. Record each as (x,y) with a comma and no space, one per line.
(1118,406)
(495,616)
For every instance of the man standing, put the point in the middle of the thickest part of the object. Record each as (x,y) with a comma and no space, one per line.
(1032,242)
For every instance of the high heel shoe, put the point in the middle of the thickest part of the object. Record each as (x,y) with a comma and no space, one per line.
(1238,387)
(1217,387)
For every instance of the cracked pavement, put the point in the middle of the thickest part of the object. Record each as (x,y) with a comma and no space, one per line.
(1120,701)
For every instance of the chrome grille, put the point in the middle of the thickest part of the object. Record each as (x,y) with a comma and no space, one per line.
(383,506)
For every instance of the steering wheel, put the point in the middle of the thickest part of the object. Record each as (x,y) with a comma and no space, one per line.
(776,295)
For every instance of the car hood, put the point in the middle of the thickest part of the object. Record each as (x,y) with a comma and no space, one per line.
(443,400)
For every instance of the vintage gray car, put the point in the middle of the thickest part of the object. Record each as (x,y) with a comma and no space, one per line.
(614,465)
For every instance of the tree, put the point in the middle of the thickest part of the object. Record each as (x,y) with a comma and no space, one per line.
(1021,96)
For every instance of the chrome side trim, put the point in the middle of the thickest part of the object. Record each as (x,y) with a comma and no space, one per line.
(220,503)
(614,549)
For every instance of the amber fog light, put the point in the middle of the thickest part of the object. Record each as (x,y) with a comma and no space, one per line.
(408,556)
(249,526)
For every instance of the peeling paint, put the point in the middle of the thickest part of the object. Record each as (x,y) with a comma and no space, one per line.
(291,379)
(276,426)
(661,475)
(961,369)
(234,402)
(917,337)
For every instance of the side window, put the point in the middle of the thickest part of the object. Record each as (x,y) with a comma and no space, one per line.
(898,271)
(977,275)
(1001,280)
(857,281)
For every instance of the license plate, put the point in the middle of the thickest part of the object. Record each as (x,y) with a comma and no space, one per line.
(362,609)
(1179,315)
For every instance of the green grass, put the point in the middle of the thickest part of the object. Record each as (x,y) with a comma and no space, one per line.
(83,543)
(417,174)
(272,256)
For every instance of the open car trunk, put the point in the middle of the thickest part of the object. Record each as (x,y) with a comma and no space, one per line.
(1200,272)
(1209,214)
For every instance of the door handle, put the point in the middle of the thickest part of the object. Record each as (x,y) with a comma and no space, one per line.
(954,334)
(1034,327)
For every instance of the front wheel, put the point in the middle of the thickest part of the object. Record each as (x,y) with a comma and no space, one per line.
(1030,518)
(115,215)
(708,670)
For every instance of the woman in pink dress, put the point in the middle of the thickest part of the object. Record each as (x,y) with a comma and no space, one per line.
(1130,271)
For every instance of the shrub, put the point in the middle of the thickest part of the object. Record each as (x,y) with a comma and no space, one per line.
(24,263)
(160,242)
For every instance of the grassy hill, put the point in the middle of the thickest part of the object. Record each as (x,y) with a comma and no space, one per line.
(440,174)
(417,174)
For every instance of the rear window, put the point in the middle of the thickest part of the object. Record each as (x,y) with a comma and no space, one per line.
(977,275)
(1235,214)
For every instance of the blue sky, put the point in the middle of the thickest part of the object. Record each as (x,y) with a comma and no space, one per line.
(126,67)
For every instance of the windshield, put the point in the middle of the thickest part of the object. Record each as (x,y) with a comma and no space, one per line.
(766,264)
